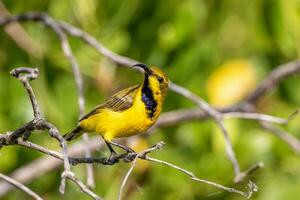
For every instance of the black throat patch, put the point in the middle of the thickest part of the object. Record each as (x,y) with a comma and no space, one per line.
(147,98)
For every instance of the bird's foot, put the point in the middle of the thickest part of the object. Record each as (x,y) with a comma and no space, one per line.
(130,156)
(125,148)
(112,159)
(129,150)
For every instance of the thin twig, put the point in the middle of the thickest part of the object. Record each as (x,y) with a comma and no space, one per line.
(79,84)
(280,73)
(229,149)
(76,32)
(241,177)
(252,188)
(291,140)
(26,74)
(83,187)
(67,173)
(40,148)
(143,155)
(255,116)
(40,166)
(217,116)
(21,187)
(50,22)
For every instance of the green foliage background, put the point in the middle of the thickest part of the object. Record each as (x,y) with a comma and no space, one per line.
(189,40)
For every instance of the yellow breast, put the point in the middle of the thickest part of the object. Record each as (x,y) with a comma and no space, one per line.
(111,124)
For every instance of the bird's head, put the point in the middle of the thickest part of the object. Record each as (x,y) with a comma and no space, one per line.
(156,80)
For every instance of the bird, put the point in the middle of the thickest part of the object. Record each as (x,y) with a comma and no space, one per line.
(129,112)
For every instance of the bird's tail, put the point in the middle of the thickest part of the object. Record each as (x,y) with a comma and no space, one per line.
(74,134)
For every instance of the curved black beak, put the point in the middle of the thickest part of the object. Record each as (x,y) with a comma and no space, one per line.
(144,67)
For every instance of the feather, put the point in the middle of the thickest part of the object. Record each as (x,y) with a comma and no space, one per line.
(118,102)
(73,134)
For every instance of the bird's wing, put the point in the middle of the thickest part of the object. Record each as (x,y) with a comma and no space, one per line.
(118,102)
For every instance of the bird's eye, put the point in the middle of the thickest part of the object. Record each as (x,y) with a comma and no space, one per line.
(160,79)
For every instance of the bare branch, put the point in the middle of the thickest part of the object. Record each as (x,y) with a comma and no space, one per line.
(41,166)
(90,181)
(176,116)
(251,186)
(217,116)
(286,137)
(79,84)
(241,177)
(76,32)
(39,123)
(278,74)
(256,116)
(128,157)
(182,115)
(75,67)
(143,155)
(21,187)
(82,186)
(26,74)
(67,172)
(229,149)
(39,148)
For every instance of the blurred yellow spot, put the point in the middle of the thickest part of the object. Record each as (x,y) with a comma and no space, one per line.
(140,144)
(231,82)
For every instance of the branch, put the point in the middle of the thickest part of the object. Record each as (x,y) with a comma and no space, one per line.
(76,32)
(291,140)
(278,74)
(252,188)
(42,165)
(67,174)
(48,21)
(127,157)
(217,117)
(181,115)
(256,116)
(142,155)
(21,187)
(79,84)
(248,172)
(83,187)
(25,74)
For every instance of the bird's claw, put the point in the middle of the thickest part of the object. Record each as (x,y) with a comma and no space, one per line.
(130,151)
(130,157)
(113,158)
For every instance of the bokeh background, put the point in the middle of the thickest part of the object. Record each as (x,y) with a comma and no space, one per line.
(220,50)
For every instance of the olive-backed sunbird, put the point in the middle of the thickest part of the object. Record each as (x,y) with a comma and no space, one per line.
(128,112)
